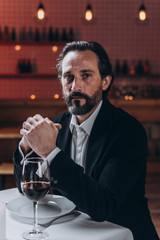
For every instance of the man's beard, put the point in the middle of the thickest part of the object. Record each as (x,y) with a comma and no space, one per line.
(75,107)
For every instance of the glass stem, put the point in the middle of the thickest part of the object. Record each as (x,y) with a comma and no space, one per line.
(35,223)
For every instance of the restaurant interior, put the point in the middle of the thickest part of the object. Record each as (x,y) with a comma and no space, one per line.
(32,35)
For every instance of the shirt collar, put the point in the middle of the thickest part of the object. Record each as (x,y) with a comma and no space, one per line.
(88,123)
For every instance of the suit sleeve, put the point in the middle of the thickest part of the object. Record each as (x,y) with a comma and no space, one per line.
(17,158)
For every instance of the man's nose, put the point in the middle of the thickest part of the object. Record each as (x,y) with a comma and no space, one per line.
(76,85)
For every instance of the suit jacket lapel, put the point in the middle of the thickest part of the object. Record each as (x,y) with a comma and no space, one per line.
(64,136)
(99,135)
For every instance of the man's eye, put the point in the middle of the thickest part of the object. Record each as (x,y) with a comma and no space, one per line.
(69,78)
(85,75)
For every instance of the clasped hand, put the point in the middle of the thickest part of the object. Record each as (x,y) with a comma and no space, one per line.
(39,135)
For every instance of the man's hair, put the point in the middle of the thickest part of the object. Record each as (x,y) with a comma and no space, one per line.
(104,65)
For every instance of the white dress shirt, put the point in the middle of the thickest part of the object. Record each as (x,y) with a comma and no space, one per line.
(80,136)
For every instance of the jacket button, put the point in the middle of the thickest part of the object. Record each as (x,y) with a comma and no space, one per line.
(55,181)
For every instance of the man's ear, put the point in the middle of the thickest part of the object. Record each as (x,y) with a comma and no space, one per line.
(106,82)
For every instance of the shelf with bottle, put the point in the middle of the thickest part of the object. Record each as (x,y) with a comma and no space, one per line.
(132,68)
(138,78)
(136,73)
(27,68)
(135,81)
(133,91)
(44,36)
(32,43)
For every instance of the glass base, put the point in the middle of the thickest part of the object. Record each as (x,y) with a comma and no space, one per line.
(32,235)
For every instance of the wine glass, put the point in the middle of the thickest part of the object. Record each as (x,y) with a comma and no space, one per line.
(35,184)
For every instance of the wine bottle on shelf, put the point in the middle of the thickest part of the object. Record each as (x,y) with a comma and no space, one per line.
(20,35)
(19,65)
(37,35)
(24,37)
(6,34)
(71,34)
(34,66)
(28,66)
(44,35)
(146,67)
(23,66)
(132,68)
(57,35)
(139,67)
(30,36)
(13,34)
(77,35)
(125,68)
(50,34)
(64,36)
(117,69)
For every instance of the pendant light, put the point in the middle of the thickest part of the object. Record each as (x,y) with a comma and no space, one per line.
(88,13)
(142,13)
(40,12)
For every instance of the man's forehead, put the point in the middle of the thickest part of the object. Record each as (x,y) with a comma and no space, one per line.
(79,57)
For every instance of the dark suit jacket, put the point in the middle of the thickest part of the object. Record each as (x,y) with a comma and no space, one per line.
(112,187)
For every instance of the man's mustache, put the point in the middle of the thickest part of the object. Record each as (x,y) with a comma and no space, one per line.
(77,94)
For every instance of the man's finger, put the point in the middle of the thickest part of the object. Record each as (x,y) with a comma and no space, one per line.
(27,125)
(48,120)
(31,120)
(58,126)
(38,117)
(23,132)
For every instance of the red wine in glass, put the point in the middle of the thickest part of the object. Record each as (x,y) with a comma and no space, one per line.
(36,190)
(35,185)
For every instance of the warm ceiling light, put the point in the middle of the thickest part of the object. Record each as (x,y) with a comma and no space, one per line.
(41,12)
(17,47)
(88,13)
(142,13)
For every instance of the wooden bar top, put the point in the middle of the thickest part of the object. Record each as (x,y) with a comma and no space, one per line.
(6,168)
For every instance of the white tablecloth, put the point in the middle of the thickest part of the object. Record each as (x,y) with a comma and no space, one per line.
(79,228)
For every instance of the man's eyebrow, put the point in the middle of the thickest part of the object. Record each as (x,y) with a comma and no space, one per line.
(81,71)
(68,72)
(86,70)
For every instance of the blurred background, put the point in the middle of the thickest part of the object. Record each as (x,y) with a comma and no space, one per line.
(32,35)
(32,45)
